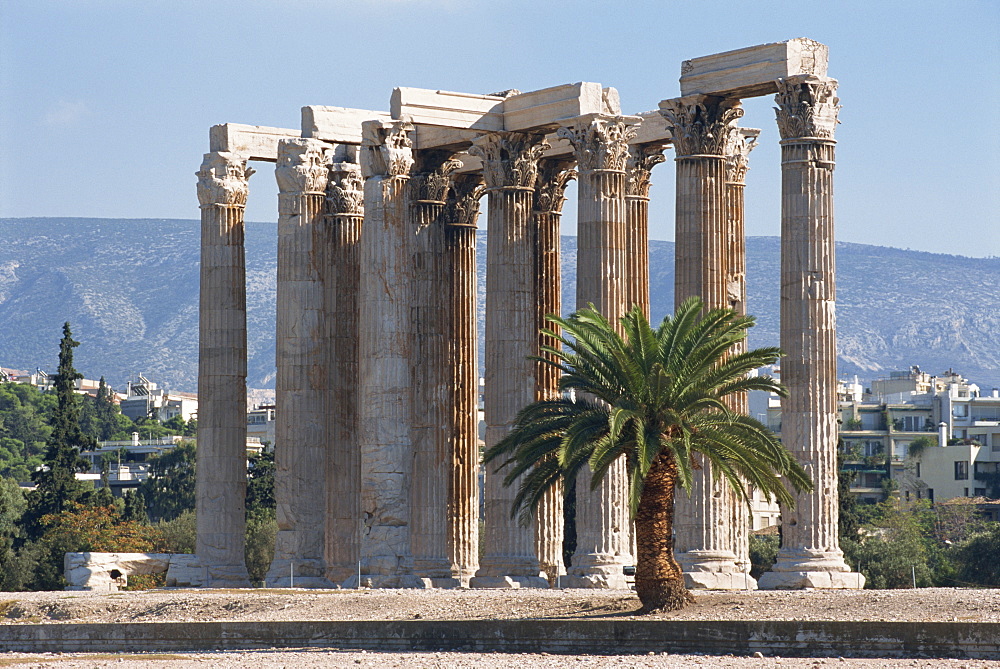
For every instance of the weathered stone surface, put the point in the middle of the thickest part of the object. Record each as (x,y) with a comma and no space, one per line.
(338,125)
(109,572)
(222,369)
(446,108)
(510,164)
(255,142)
(344,216)
(600,144)
(752,71)
(810,555)
(706,541)
(385,398)
(302,354)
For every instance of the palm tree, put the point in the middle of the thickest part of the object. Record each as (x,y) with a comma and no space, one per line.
(658,398)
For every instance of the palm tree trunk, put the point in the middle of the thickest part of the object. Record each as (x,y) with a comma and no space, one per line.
(659,581)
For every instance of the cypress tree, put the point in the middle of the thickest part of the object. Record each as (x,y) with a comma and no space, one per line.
(56,484)
(107,415)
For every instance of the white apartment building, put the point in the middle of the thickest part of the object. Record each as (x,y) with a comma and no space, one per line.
(146,399)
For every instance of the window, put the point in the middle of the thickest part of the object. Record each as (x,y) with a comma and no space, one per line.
(966,493)
(962,470)
(918,470)
(930,494)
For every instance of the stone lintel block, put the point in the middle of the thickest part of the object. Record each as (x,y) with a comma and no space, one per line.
(447,108)
(546,107)
(440,137)
(752,71)
(256,142)
(340,125)
(651,129)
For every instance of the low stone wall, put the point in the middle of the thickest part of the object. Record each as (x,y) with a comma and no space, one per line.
(602,637)
(109,572)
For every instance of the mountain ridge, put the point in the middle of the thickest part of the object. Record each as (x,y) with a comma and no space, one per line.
(129,287)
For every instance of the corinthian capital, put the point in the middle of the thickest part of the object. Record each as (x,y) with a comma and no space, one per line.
(432,175)
(600,142)
(642,158)
(509,158)
(701,124)
(303,165)
(345,189)
(807,106)
(550,188)
(741,142)
(463,204)
(223,179)
(386,148)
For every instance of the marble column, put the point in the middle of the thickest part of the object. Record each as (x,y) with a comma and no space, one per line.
(642,158)
(600,145)
(220,490)
(385,402)
(701,126)
(741,142)
(553,177)
(510,167)
(431,370)
(810,555)
(344,216)
(302,346)
(462,212)
(639,167)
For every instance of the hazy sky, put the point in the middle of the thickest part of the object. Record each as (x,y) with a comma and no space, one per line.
(105,106)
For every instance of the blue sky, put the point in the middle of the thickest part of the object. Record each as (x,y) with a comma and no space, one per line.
(105,106)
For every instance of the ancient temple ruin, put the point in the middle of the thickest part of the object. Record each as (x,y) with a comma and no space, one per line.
(377,378)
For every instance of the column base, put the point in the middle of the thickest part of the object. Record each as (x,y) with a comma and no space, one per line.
(716,580)
(509,572)
(508,582)
(378,581)
(713,570)
(809,580)
(799,569)
(596,577)
(297,574)
(226,576)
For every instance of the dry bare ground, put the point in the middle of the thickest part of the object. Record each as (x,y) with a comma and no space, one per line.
(930,604)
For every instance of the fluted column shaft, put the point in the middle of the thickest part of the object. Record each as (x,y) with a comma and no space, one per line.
(600,144)
(509,169)
(220,489)
(641,160)
(385,392)
(463,387)
(431,426)
(550,187)
(810,555)
(344,217)
(742,141)
(302,346)
(706,542)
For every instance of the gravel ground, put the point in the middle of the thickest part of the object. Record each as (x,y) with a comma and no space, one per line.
(928,604)
(924,604)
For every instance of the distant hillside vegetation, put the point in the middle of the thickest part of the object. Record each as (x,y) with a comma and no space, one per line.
(130,289)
